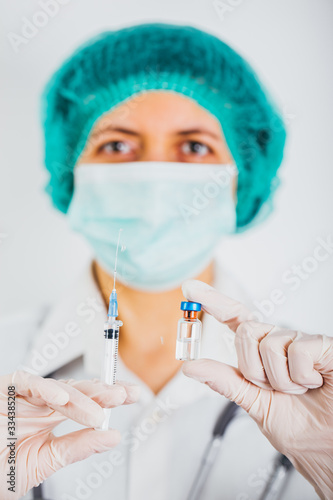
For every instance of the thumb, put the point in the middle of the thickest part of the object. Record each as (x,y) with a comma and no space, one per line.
(58,452)
(229,382)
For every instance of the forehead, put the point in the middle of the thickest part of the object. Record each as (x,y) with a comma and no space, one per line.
(159,110)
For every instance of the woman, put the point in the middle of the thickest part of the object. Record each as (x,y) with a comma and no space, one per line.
(144,128)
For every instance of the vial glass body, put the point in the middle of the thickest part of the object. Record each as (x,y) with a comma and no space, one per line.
(188,339)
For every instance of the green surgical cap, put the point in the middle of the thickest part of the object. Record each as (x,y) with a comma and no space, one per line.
(117,65)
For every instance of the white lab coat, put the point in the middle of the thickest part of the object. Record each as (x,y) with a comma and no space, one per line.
(164,436)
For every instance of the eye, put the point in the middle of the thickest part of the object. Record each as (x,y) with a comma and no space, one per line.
(115,147)
(195,148)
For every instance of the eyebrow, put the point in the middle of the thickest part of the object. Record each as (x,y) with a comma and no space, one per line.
(112,128)
(198,131)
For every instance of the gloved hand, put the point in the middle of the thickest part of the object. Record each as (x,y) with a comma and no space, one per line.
(40,405)
(284,381)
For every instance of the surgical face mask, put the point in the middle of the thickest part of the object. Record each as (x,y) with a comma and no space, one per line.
(172,215)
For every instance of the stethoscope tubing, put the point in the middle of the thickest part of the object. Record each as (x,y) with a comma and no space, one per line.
(276,481)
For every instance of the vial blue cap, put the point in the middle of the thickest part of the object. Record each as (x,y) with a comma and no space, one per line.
(190,306)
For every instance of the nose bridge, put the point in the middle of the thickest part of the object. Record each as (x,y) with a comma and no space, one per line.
(157,147)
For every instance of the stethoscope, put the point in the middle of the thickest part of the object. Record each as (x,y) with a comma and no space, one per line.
(276,481)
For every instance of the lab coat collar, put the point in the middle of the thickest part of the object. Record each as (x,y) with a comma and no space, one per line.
(73,330)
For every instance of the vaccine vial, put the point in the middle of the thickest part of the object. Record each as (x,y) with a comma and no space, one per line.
(189,332)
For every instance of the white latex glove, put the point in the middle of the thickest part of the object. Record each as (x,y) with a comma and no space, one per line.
(40,405)
(284,381)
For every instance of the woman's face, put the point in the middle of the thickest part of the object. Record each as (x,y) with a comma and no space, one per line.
(157,126)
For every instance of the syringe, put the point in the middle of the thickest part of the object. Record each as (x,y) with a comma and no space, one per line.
(111,335)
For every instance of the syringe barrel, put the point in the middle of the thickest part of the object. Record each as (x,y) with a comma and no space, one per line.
(111,334)
(109,369)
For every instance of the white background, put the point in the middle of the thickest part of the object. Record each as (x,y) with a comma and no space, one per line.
(290,46)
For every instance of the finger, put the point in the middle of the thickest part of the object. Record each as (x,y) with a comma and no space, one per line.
(274,354)
(306,352)
(128,392)
(107,396)
(79,445)
(229,382)
(81,408)
(248,336)
(59,396)
(220,306)
(45,389)
(133,391)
